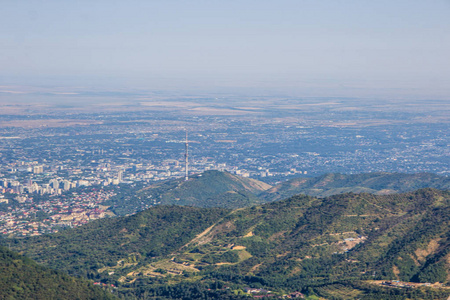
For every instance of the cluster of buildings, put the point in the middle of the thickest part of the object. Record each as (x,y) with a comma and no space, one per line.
(30,189)
(263,293)
(54,186)
(49,215)
(408,285)
(29,179)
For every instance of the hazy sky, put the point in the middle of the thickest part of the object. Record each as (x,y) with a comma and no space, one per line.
(397,46)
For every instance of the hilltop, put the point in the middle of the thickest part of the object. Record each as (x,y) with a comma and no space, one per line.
(208,189)
(334,247)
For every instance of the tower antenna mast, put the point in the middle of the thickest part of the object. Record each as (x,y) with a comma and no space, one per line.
(186,156)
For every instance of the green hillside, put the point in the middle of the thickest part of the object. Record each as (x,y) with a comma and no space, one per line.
(222,189)
(336,247)
(202,190)
(119,241)
(209,189)
(376,183)
(22,278)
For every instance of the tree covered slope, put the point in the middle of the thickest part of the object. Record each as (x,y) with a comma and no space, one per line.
(105,242)
(209,189)
(22,278)
(300,243)
(222,189)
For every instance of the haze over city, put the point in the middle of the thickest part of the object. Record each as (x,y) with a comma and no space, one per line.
(370,49)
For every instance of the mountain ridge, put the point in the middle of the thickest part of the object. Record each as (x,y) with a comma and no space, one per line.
(335,183)
(298,243)
(222,189)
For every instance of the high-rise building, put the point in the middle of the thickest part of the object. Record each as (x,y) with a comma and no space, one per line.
(54,183)
(67,185)
(38,169)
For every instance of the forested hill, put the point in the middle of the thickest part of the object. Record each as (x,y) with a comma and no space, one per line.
(103,243)
(376,183)
(222,189)
(22,278)
(333,247)
(206,189)
(209,189)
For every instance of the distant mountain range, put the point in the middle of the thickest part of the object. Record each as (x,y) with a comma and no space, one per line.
(335,247)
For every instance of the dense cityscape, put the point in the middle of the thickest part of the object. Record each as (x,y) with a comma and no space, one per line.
(54,164)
